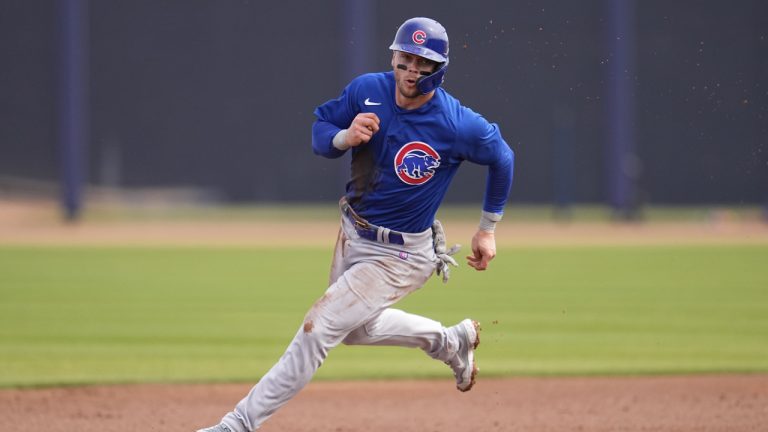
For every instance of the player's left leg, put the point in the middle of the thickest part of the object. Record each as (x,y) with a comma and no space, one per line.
(362,292)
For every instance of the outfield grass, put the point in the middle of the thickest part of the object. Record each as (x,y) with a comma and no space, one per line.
(96,315)
(302,212)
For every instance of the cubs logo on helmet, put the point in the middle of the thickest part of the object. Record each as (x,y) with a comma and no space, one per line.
(416,162)
(419,37)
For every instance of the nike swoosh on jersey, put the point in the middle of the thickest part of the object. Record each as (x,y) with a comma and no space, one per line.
(368,102)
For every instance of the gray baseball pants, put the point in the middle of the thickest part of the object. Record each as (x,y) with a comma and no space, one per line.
(366,279)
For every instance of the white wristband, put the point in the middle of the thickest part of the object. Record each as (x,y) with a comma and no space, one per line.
(339,141)
(488,221)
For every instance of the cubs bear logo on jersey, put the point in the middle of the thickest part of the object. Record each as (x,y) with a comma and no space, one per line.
(416,162)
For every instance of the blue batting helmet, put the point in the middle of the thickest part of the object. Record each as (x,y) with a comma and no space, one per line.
(426,38)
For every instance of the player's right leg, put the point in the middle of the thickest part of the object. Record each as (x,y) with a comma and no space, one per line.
(463,363)
(454,345)
(394,327)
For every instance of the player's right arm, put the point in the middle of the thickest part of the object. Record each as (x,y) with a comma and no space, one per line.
(360,131)
(340,125)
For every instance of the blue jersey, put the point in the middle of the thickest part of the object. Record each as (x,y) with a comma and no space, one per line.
(399,178)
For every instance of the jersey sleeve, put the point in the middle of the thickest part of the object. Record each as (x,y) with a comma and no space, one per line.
(333,116)
(480,142)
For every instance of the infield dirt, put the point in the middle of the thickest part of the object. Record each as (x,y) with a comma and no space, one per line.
(597,404)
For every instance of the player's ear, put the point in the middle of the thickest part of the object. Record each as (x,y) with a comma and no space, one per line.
(394,54)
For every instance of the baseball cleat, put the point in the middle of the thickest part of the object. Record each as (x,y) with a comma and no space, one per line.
(221,427)
(463,364)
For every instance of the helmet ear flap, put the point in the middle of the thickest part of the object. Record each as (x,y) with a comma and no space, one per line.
(428,83)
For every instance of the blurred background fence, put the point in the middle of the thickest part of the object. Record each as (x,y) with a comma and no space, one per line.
(667,100)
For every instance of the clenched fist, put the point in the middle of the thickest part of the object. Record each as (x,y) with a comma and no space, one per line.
(362,129)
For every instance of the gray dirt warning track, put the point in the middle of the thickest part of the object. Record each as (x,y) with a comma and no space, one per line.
(598,404)
(27,224)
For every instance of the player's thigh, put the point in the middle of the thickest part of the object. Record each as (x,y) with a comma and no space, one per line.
(357,296)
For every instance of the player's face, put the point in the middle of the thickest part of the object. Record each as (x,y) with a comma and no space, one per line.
(408,69)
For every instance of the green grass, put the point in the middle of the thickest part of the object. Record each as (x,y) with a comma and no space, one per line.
(301,212)
(96,315)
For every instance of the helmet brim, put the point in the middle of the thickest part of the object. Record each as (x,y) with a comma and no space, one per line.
(419,51)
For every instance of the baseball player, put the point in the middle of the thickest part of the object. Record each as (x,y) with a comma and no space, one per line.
(407,137)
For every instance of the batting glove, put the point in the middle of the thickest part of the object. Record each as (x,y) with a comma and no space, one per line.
(445,260)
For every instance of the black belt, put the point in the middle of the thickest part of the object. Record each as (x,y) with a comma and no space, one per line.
(367,230)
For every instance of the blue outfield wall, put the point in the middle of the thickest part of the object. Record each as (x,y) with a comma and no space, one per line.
(219,95)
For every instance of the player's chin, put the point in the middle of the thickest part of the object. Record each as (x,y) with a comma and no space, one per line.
(409,92)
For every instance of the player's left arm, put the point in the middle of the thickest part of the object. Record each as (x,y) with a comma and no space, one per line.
(483,144)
